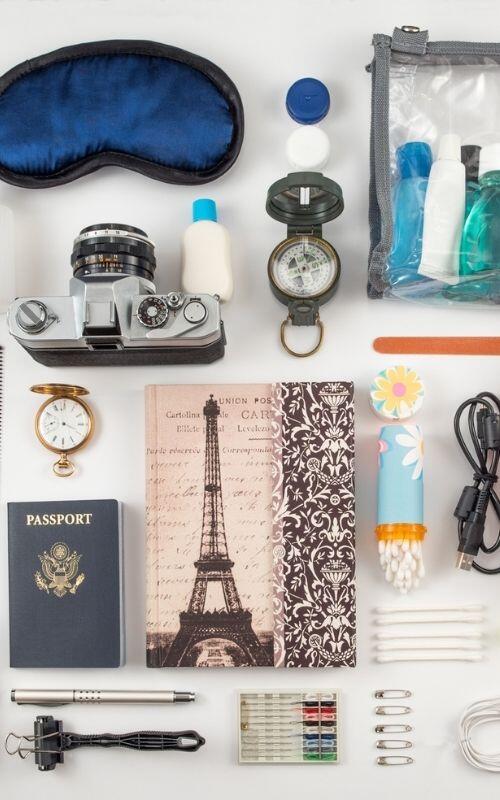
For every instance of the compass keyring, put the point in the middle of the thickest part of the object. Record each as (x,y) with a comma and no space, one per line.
(319,342)
(304,269)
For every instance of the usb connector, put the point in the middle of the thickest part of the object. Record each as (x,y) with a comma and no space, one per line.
(471,536)
(464,561)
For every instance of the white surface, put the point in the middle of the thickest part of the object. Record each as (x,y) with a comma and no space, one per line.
(264,47)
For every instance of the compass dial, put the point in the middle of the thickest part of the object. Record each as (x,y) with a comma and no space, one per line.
(64,424)
(304,267)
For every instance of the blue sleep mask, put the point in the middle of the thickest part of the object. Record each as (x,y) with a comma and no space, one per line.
(145,106)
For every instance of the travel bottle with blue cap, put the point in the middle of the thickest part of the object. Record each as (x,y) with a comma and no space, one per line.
(206,253)
(414,161)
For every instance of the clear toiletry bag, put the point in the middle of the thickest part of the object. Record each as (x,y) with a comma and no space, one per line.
(435,170)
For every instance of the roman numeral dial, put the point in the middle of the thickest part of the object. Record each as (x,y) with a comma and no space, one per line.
(64,422)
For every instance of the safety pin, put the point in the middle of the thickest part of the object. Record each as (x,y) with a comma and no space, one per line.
(394,761)
(393,728)
(393,744)
(392,710)
(392,694)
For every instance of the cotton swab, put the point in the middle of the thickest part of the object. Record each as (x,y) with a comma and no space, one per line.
(402,563)
(458,655)
(422,618)
(428,644)
(473,607)
(382,635)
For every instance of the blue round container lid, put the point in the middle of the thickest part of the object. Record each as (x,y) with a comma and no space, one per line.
(307,101)
(204,208)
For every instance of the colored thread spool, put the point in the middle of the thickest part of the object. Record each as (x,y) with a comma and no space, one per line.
(283,727)
(397,393)
(400,529)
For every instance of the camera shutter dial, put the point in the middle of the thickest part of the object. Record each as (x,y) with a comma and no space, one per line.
(33,316)
(152,312)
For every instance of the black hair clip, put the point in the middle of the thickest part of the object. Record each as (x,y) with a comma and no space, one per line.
(50,742)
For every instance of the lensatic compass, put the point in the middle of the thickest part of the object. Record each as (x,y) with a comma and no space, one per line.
(304,269)
(64,423)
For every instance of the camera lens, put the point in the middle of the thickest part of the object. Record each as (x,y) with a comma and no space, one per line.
(110,249)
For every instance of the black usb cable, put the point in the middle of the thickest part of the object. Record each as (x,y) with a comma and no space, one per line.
(483,454)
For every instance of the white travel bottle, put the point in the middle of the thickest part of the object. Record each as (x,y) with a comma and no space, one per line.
(206,254)
(444,213)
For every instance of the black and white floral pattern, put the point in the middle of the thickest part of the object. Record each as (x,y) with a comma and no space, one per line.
(313,533)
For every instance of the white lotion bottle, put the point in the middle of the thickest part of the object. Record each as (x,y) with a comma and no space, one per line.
(7,266)
(444,211)
(206,254)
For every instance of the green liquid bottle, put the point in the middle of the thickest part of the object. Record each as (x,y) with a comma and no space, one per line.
(480,248)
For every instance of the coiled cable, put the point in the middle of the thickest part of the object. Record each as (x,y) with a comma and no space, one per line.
(483,712)
(482,451)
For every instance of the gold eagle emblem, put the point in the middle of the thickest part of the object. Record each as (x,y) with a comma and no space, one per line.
(60,568)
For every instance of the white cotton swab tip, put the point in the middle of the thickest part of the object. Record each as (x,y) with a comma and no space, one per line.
(401,562)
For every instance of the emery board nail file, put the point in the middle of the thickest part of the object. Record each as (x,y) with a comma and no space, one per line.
(438,345)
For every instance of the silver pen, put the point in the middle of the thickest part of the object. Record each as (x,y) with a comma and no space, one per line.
(61,697)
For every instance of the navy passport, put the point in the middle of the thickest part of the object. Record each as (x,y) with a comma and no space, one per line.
(65,584)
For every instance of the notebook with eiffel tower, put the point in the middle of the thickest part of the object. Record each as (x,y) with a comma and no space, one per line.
(250,525)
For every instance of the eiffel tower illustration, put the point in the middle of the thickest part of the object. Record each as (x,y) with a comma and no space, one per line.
(233,623)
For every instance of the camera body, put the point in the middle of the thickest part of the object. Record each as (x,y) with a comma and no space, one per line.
(112,315)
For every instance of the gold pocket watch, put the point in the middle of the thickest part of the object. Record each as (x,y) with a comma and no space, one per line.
(64,423)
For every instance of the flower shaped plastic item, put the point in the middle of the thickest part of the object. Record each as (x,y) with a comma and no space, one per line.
(397,393)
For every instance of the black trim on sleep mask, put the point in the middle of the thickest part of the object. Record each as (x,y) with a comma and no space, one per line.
(93,162)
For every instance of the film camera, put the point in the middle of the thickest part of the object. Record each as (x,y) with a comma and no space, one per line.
(113,314)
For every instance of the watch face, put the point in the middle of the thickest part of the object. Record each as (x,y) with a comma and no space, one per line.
(304,266)
(63,424)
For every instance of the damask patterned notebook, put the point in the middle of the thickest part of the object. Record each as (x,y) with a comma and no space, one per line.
(250,525)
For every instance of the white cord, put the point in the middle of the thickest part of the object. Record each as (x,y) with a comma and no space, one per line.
(481,713)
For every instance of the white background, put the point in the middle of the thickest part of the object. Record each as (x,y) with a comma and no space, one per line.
(264,46)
